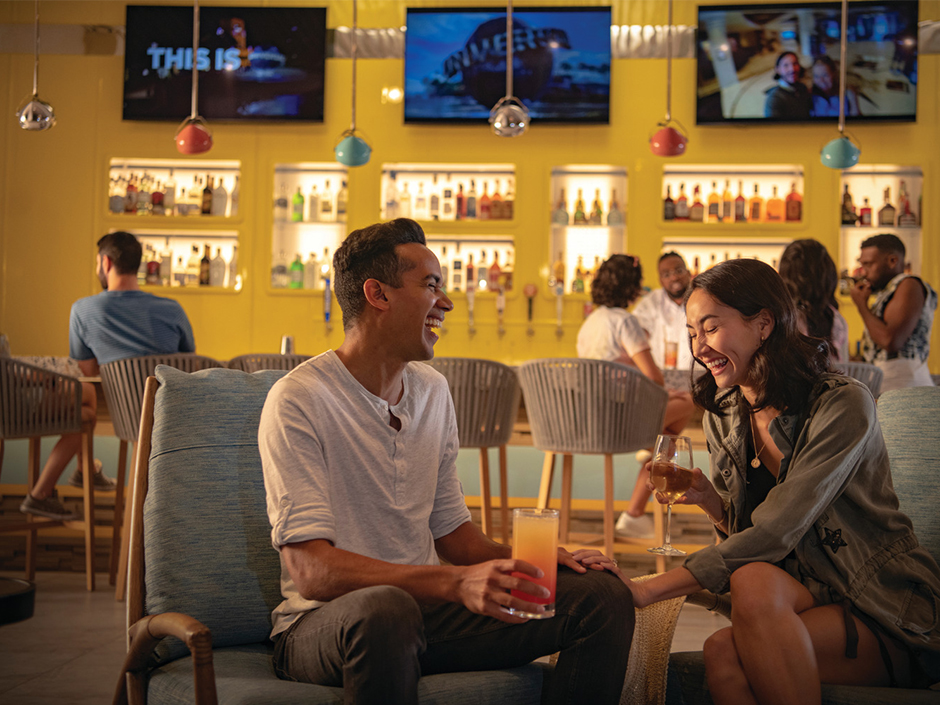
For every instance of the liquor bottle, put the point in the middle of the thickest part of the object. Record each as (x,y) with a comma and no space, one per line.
(506,275)
(311,272)
(483,273)
(906,218)
(204,268)
(494,276)
(297,207)
(217,269)
(460,208)
(194,196)
(470,273)
(153,269)
(448,206)
(727,203)
(864,213)
(279,277)
(115,198)
(794,207)
(445,270)
(557,280)
(577,284)
(434,200)
(669,206)
(130,195)
(580,218)
(682,204)
(560,214)
(391,198)
(156,200)
(697,211)
(143,195)
(712,262)
(192,267)
(848,208)
(326,204)
(404,202)
(755,206)
(776,210)
(714,204)
(341,198)
(696,266)
(166,264)
(207,196)
(509,201)
(887,212)
(457,270)
(219,199)
(597,211)
(296,273)
(280,205)
(485,202)
(313,204)
(472,200)
(496,203)
(614,215)
(326,265)
(420,211)
(234,197)
(232,275)
(740,205)
(169,195)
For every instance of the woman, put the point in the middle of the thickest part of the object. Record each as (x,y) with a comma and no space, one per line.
(827,580)
(789,99)
(825,91)
(613,333)
(811,278)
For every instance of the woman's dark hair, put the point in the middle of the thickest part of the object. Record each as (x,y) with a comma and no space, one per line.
(811,278)
(787,365)
(617,282)
(799,66)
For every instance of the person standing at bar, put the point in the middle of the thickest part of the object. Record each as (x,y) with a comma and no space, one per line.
(897,326)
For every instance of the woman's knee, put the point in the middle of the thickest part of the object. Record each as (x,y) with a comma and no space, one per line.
(762,589)
(719,652)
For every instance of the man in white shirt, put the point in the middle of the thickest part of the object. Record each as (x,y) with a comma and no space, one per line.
(358,447)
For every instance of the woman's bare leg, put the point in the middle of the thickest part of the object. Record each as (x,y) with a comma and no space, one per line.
(66,448)
(679,410)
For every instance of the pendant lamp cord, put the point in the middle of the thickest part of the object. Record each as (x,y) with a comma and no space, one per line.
(509,49)
(842,43)
(195,58)
(355,30)
(669,66)
(36,54)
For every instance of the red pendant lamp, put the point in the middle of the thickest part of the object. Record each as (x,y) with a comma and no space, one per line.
(668,141)
(193,135)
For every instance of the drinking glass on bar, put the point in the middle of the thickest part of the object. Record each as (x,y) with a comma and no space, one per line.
(672,354)
(671,475)
(535,540)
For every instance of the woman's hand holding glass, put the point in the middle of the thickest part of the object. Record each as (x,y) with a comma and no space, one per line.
(701,493)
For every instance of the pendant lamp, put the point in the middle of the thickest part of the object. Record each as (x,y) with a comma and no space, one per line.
(841,153)
(667,141)
(193,135)
(509,117)
(352,150)
(35,114)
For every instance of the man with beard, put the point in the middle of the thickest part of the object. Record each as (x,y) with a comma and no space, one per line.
(662,313)
(897,326)
(120,322)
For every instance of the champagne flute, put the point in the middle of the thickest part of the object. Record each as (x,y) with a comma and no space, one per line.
(671,475)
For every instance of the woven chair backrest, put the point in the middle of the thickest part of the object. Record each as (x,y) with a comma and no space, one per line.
(36,402)
(486,399)
(868,374)
(124,380)
(265,361)
(591,406)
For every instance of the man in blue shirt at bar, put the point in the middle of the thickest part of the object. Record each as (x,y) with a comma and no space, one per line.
(120,322)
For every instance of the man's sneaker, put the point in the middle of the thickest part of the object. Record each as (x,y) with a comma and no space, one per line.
(50,507)
(102,482)
(634,527)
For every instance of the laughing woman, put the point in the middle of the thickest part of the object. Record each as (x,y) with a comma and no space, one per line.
(827,580)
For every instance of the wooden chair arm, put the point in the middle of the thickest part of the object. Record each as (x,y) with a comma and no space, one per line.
(719,604)
(145,634)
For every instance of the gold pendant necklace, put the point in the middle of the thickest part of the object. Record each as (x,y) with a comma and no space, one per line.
(756,462)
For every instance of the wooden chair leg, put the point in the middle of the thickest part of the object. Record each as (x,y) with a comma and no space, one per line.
(545,486)
(118,509)
(486,499)
(609,504)
(88,482)
(120,581)
(564,521)
(32,476)
(503,495)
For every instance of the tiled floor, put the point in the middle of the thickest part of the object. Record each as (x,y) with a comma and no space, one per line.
(72,649)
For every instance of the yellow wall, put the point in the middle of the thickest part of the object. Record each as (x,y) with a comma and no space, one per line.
(53,186)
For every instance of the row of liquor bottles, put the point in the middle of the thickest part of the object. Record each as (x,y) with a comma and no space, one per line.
(445,199)
(159,268)
(888,216)
(144,194)
(600,213)
(313,274)
(725,207)
(324,206)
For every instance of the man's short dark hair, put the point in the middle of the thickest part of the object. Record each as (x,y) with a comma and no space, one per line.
(369,253)
(123,249)
(886,243)
(671,253)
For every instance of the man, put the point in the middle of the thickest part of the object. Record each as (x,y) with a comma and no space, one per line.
(358,447)
(897,327)
(120,322)
(662,314)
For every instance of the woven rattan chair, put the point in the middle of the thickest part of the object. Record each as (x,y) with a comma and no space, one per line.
(123,382)
(35,402)
(265,361)
(486,399)
(593,407)
(868,374)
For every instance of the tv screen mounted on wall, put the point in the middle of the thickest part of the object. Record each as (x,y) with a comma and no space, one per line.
(455,63)
(255,63)
(780,63)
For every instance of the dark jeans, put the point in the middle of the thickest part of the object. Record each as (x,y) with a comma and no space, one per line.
(377,642)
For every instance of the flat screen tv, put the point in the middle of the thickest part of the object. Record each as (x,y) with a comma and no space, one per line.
(255,63)
(780,63)
(455,63)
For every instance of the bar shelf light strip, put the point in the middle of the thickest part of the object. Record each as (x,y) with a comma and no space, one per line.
(185,164)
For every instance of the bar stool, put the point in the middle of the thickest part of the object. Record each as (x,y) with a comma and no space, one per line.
(594,407)
(36,402)
(866,373)
(266,361)
(486,400)
(123,382)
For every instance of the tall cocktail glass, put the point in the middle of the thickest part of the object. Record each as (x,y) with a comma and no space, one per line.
(535,540)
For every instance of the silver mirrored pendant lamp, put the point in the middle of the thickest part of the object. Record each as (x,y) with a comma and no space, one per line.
(841,153)
(193,136)
(35,114)
(509,117)
(668,141)
(353,150)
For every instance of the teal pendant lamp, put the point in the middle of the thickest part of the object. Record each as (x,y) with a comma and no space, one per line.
(352,150)
(509,117)
(841,153)
(193,136)
(35,114)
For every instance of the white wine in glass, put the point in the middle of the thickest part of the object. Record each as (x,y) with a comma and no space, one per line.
(671,475)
